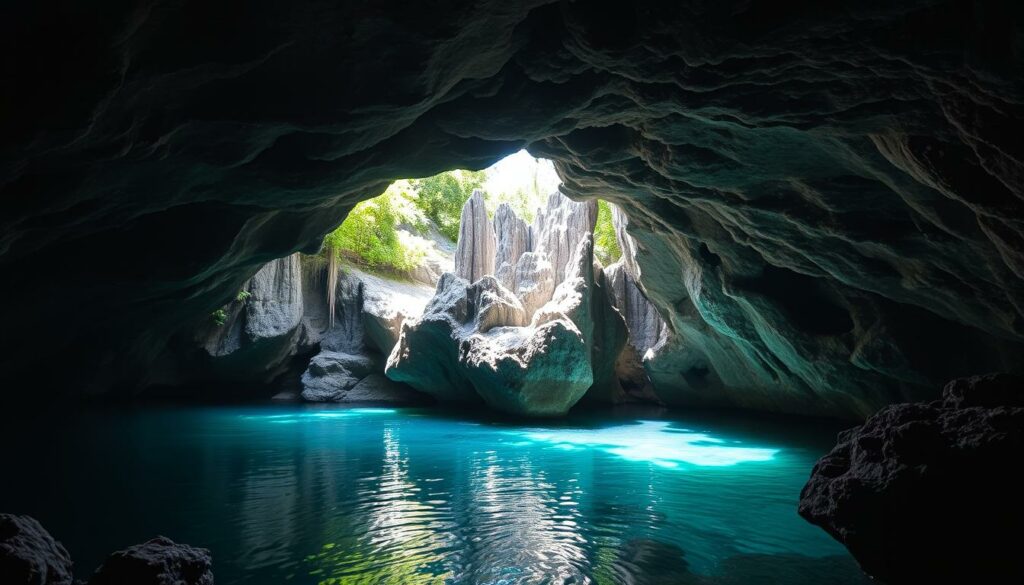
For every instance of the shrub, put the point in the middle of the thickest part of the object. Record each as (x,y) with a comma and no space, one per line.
(606,245)
(442,196)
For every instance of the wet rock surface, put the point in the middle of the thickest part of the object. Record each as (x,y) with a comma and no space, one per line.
(159,561)
(826,199)
(29,555)
(930,492)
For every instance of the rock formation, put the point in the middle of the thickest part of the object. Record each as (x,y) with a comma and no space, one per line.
(534,347)
(159,561)
(826,198)
(29,555)
(474,256)
(930,492)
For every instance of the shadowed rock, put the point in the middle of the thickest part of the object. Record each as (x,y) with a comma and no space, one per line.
(826,197)
(29,555)
(158,562)
(930,492)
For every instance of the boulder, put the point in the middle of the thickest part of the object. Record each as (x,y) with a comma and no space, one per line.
(331,374)
(158,562)
(426,356)
(930,492)
(474,342)
(474,254)
(29,555)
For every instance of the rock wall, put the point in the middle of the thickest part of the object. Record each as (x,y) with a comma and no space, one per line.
(826,198)
(283,323)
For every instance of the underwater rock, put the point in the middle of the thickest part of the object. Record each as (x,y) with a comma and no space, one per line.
(29,555)
(930,492)
(159,561)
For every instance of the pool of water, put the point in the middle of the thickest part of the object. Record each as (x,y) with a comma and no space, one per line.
(332,496)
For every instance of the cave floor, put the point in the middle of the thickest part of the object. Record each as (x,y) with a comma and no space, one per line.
(301,494)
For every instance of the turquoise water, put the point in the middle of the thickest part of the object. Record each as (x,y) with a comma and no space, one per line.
(315,495)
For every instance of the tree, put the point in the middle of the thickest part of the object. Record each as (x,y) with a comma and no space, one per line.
(442,196)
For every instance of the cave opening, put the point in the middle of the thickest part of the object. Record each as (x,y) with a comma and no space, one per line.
(268,291)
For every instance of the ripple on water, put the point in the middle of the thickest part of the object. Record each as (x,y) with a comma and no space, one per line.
(406,497)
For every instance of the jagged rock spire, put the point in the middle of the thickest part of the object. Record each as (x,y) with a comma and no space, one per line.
(474,254)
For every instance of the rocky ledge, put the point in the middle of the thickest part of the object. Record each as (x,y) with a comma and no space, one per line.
(930,492)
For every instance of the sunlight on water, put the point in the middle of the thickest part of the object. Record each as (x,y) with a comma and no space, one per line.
(655,442)
(322,496)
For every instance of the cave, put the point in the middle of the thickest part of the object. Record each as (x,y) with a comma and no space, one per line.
(817,212)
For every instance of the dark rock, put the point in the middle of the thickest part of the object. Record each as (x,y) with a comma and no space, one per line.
(930,492)
(157,562)
(826,197)
(331,374)
(29,555)
(377,389)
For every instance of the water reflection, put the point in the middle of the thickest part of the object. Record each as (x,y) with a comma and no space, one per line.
(655,442)
(388,496)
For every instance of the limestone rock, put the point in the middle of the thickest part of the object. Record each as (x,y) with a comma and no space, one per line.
(159,561)
(376,388)
(494,305)
(513,238)
(274,307)
(426,356)
(331,374)
(930,492)
(29,555)
(474,255)
(264,328)
(558,229)
(534,281)
(538,371)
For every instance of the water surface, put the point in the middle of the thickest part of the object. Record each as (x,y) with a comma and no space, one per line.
(331,496)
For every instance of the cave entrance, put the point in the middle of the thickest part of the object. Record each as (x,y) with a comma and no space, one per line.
(410,231)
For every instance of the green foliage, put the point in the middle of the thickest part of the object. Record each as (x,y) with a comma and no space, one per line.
(606,245)
(219,317)
(442,196)
(371,234)
(243,295)
(523,201)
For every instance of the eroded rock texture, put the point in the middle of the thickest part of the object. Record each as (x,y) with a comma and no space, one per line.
(159,561)
(930,492)
(826,198)
(535,346)
(29,555)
